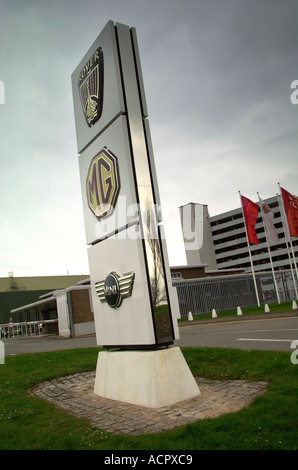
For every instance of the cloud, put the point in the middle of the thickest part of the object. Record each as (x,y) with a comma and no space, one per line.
(217,80)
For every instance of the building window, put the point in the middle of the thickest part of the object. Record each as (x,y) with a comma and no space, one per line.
(176,275)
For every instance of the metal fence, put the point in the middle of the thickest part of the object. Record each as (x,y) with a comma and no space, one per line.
(225,293)
(33,328)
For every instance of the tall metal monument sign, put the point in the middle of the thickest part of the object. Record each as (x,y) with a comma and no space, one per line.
(135,306)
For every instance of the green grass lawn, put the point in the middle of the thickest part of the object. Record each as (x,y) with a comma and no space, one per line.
(274,308)
(270,422)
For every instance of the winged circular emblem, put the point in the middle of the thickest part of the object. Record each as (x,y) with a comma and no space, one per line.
(115,288)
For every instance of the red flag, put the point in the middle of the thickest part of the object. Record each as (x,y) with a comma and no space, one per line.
(250,211)
(291,208)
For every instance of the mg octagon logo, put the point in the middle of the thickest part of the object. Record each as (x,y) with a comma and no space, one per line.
(103,184)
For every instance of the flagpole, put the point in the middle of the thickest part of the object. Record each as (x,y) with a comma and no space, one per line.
(250,257)
(287,236)
(270,257)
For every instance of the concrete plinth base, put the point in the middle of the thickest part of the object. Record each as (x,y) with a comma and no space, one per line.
(146,378)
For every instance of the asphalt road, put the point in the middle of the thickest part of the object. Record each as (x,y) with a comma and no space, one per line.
(263,333)
(266,334)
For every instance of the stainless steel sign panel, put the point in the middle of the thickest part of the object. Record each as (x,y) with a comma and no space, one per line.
(117,169)
(130,324)
(97,89)
(116,187)
(146,193)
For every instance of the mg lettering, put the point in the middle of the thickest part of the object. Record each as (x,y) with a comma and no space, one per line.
(103,184)
(110,290)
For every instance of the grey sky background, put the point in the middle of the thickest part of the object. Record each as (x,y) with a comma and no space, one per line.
(217,77)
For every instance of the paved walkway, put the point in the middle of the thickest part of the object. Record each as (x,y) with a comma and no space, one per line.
(75,395)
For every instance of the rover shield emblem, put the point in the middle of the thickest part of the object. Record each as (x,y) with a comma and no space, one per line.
(90,84)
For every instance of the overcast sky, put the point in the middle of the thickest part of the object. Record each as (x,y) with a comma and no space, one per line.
(217,77)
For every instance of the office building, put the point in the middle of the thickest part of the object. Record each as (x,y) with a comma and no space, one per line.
(223,244)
